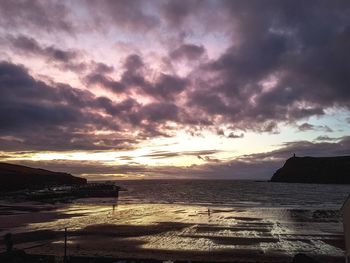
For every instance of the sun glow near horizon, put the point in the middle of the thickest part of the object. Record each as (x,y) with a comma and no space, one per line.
(190,87)
(182,150)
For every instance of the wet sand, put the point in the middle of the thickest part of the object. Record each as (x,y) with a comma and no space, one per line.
(175,231)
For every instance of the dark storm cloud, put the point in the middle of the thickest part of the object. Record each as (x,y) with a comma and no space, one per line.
(208,159)
(167,86)
(31,46)
(159,111)
(106,82)
(235,136)
(133,62)
(285,61)
(306,127)
(133,74)
(34,14)
(310,127)
(102,68)
(36,115)
(46,117)
(303,52)
(325,138)
(302,47)
(187,51)
(164,87)
(166,154)
(40,116)
(210,102)
(231,135)
(150,118)
(63,59)
(116,109)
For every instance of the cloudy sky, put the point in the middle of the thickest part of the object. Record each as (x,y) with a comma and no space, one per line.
(173,89)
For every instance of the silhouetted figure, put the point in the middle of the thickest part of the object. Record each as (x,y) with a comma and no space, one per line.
(8,242)
(294,155)
(115,204)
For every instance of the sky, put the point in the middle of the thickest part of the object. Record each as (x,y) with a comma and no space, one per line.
(173,89)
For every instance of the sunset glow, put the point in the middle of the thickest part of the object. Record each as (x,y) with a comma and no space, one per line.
(172,89)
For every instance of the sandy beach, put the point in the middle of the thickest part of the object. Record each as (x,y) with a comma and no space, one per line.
(174,231)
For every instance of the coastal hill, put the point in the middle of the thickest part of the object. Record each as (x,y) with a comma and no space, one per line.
(318,170)
(15,177)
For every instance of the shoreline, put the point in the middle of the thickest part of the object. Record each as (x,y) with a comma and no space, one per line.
(174,232)
(173,256)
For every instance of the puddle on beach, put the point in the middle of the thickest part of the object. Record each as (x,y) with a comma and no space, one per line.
(141,228)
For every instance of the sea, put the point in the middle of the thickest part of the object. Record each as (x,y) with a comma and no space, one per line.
(199,220)
(254,194)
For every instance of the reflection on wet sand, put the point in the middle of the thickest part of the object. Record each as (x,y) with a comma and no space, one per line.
(175,231)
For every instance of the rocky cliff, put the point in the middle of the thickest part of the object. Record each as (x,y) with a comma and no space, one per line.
(318,170)
(15,177)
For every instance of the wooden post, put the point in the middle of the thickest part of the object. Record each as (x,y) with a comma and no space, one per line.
(65,245)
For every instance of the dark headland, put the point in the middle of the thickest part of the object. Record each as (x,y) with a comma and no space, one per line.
(16,177)
(318,170)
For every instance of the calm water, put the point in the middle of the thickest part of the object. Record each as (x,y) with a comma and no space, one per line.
(234,193)
(191,219)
